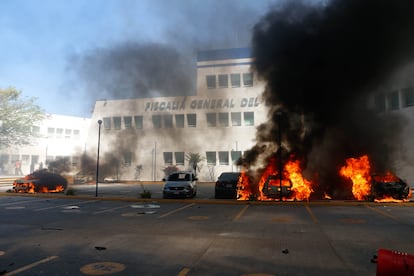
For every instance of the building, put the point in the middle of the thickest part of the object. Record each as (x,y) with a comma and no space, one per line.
(143,137)
(58,137)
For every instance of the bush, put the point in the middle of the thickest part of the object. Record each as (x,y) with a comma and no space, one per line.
(146,194)
(70,192)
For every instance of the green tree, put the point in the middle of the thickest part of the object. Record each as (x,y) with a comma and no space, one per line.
(194,160)
(17,118)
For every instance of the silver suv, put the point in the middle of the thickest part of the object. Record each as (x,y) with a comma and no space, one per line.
(180,184)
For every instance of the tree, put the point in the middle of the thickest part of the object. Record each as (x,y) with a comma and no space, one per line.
(17,118)
(193,161)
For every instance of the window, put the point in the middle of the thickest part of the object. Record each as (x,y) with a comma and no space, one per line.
(223,81)
(128,158)
(25,159)
(179,120)
(247,79)
(156,121)
(117,123)
(393,100)
(223,157)
(191,120)
(235,80)
(235,156)
(76,133)
(408,95)
(179,158)
(107,123)
(35,159)
(211,158)
(168,158)
(236,119)
(50,132)
(68,133)
(15,157)
(380,103)
(128,122)
(75,160)
(168,121)
(59,132)
(249,118)
(211,81)
(35,129)
(211,119)
(138,121)
(223,119)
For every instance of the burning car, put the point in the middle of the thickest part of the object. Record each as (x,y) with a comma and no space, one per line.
(277,188)
(40,181)
(388,186)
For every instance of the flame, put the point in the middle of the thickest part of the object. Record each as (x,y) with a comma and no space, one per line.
(243,187)
(326,196)
(300,186)
(358,170)
(390,199)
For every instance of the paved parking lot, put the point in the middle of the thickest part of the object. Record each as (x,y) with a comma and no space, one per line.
(72,236)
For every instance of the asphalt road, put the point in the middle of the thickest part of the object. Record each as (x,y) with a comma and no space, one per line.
(95,236)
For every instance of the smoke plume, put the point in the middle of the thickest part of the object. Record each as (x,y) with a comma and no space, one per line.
(321,65)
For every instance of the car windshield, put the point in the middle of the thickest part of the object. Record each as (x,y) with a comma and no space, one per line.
(275,181)
(229,176)
(179,177)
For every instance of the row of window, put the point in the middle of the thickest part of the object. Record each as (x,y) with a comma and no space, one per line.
(34,159)
(59,133)
(395,99)
(221,119)
(212,157)
(232,80)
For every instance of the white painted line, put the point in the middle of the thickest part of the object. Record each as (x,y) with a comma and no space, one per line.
(64,205)
(20,202)
(238,216)
(27,267)
(109,210)
(176,210)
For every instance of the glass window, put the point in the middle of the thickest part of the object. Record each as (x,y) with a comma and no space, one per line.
(117,122)
(235,80)
(179,158)
(249,118)
(168,121)
(128,158)
(223,119)
(156,121)
(223,157)
(247,79)
(59,132)
(76,133)
(235,155)
(211,119)
(380,103)
(75,160)
(211,158)
(179,120)
(236,119)
(393,100)
(223,81)
(25,158)
(168,158)
(138,121)
(128,122)
(107,123)
(408,95)
(68,133)
(50,132)
(191,120)
(211,81)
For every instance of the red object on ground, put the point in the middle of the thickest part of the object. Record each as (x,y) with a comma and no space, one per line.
(392,262)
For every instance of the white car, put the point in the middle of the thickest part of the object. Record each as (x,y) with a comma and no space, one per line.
(180,184)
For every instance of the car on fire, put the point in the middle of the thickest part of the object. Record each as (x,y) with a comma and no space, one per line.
(277,188)
(226,185)
(388,186)
(40,181)
(180,185)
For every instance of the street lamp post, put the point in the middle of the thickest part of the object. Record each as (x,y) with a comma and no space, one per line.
(279,118)
(97,159)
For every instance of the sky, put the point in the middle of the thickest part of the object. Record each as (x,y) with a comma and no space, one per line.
(68,54)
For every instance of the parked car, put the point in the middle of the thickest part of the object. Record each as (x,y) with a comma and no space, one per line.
(40,181)
(226,185)
(388,185)
(274,188)
(180,184)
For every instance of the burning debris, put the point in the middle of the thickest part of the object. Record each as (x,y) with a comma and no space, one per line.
(321,65)
(40,181)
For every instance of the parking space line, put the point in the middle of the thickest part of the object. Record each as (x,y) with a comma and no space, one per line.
(20,202)
(110,210)
(385,214)
(184,271)
(70,204)
(312,215)
(176,210)
(24,268)
(238,216)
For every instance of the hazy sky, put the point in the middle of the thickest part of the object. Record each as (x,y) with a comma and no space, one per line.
(43,42)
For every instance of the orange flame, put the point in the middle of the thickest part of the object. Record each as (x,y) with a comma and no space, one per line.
(300,186)
(358,170)
(243,187)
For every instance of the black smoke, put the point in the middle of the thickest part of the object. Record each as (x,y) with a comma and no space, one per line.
(321,64)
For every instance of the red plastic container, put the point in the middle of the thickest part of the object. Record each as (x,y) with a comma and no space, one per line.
(390,262)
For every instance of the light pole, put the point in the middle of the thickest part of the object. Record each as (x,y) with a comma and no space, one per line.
(279,118)
(97,159)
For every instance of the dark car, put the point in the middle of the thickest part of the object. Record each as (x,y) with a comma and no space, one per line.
(388,186)
(226,185)
(274,188)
